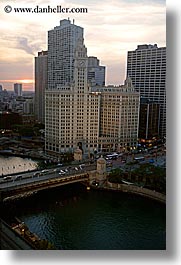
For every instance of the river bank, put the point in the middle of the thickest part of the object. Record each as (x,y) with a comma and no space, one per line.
(151,194)
(12,165)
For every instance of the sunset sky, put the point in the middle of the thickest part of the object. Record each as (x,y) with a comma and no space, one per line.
(111,28)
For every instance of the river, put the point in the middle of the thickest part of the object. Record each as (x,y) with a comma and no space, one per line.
(73,218)
(12,164)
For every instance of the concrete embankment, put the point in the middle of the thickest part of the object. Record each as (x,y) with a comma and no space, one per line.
(136,190)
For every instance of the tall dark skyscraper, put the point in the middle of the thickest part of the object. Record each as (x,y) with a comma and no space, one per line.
(146,66)
(149,121)
(40,85)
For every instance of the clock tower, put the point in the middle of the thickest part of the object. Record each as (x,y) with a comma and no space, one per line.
(81,68)
(81,95)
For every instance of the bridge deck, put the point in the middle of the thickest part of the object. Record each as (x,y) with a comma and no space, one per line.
(34,186)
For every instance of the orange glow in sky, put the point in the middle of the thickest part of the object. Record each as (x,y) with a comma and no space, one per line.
(26,81)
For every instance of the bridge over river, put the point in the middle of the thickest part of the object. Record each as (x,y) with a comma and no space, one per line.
(17,186)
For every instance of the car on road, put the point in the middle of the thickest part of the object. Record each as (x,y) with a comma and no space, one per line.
(18,177)
(61,171)
(151,161)
(7,178)
(36,174)
(44,171)
(59,165)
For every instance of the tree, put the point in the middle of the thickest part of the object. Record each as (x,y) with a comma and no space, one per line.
(115,175)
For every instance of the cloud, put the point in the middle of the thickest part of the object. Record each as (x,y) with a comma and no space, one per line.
(25,45)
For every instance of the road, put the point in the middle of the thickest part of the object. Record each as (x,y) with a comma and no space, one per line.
(158,159)
(39,176)
(30,177)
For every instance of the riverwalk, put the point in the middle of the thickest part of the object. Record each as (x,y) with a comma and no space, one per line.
(152,194)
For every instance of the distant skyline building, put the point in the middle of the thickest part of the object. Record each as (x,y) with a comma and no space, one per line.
(28,106)
(78,115)
(1,88)
(146,66)
(41,62)
(18,89)
(96,72)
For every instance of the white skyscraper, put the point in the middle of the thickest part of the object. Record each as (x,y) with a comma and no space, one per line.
(72,118)
(76,114)
(146,66)
(62,41)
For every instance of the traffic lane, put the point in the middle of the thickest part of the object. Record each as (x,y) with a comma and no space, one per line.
(26,181)
(26,174)
(67,170)
(29,178)
(158,160)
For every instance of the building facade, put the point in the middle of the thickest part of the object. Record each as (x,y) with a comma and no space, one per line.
(146,66)
(80,115)
(62,41)
(72,116)
(119,117)
(41,62)
(29,106)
